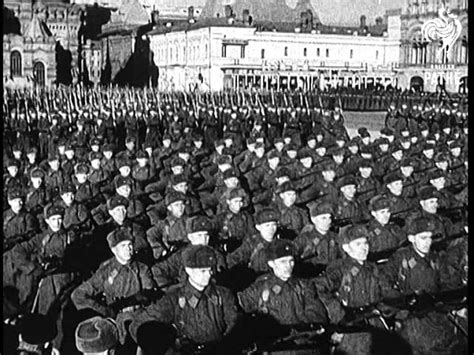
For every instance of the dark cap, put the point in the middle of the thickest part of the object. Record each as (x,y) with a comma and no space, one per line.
(199,256)
(267,215)
(321,208)
(37,173)
(96,335)
(407,162)
(427,193)
(81,168)
(420,225)
(178,179)
(304,153)
(286,186)
(436,174)
(53,156)
(353,232)
(224,159)
(53,210)
(142,155)
(198,224)
(177,161)
(379,202)
(122,180)
(347,180)
(123,161)
(68,187)
(229,173)
(14,194)
(281,172)
(174,196)
(395,176)
(130,139)
(279,248)
(237,193)
(37,329)
(441,156)
(366,163)
(94,156)
(118,236)
(328,165)
(272,154)
(116,201)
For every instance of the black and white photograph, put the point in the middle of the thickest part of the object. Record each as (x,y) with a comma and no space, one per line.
(235,177)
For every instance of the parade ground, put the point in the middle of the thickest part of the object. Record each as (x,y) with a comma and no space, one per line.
(373,121)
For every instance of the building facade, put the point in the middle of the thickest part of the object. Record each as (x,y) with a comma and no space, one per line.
(425,64)
(223,53)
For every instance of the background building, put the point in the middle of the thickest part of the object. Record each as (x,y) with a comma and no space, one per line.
(424,64)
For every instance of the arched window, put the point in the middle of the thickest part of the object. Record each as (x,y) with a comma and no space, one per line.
(39,73)
(15,63)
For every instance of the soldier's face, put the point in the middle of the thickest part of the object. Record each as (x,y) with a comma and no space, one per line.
(54,164)
(228,142)
(287,140)
(430,205)
(365,172)
(357,249)
(259,152)
(288,197)
(62,149)
(235,204)
(306,162)
(267,229)
(69,154)
(406,144)
(123,251)
(353,149)
(176,208)
(107,154)
(329,175)
(95,164)
(447,130)
(199,277)
(184,155)
(199,238)
(219,149)
(414,139)
(443,165)
(349,191)
(421,242)
(81,178)
(12,170)
(95,148)
(36,182)
(438,183)
(279,146)
(282,267)
(16,204)
(142,162)
(198,144)
(322,222)
(340,143)
(177,169)
(31,157)
(54,222)
(456,152)
(382,216)
(407,170)
(398,155)
(118,214)
(130,145)
(166,143)
(428,153)
(17,154)
(366,140)
(231,182)
(68,198)
(396,187)
(321,151)
(312,143)
(181,187)
(425,133)
(273,162)
(124,190)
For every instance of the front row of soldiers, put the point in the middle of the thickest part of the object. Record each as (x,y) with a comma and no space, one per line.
(350,306)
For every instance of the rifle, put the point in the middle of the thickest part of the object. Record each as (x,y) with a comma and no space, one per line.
(381,257)
(9,243)
(440,243)
(139,299)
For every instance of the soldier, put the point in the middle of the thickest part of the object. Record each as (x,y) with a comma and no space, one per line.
(279,294)
(428,208)
(352,282)
(120,284)
(165,235)
(84,193)
(316,244)
(18,224)
(171,270)
(292,218)
(367,186)
(400,206)
(383,234)
(251,252)
(202,313)
(77,217)
(347,205)
(233,224)
(108,162)
(97,335)
(36,196)
(413,270)
(13,180)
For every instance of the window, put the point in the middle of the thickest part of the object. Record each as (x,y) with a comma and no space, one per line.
(286,51)
(262,53)
(39,73)
(305,52)
(376,54)
(224,51)
(351,53)
(15,63)
(242,51)
(318,52)
(327,52)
